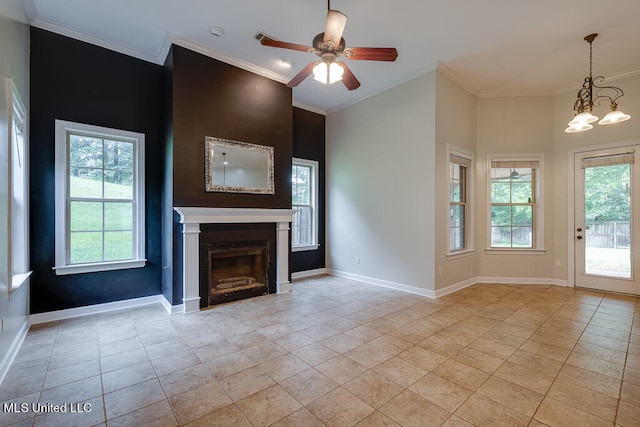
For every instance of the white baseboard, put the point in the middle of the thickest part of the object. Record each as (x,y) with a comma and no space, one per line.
(7,361)
(52,316)
(451,288)
(70,313)
(455,287)
(308,273)
(384,283)
(523,281)
(171,309)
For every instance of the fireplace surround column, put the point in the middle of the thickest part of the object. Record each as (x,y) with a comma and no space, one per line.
(192,217)
(191,277)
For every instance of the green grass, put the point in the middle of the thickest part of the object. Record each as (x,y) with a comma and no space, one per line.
(87,246)
(608,261)
(87,222)
(83,187)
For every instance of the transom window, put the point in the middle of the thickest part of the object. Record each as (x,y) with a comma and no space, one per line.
(99,198)
(514,196)
(304,196)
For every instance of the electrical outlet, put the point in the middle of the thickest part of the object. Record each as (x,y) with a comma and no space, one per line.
(357,260)
(558,263)
(439,270)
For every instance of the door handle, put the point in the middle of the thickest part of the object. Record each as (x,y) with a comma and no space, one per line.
(579,237)
(578,229)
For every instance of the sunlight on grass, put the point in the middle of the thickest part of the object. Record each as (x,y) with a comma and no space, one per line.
(615,262)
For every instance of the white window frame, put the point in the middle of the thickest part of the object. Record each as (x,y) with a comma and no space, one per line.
(538,221)
(313,164)
(452,152)
(18,184)
(62,264)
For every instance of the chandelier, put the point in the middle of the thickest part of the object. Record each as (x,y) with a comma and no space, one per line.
(592,94)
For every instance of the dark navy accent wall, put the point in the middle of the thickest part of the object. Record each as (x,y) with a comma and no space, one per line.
(76,81)
(309,143)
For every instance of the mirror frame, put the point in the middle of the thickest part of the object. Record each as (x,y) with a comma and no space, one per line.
(209,145)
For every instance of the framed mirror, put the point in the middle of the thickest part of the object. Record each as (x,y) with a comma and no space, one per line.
(238,167)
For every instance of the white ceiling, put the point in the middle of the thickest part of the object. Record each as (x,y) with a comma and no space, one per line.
(490,47)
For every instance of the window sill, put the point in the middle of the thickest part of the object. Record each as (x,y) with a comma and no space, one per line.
(514,251)
(303,248)
(103,266)
(18,280)
(460,254)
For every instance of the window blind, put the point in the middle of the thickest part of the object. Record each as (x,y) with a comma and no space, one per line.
(612,160)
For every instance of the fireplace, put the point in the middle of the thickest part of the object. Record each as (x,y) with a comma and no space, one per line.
(237,271)
(196,220)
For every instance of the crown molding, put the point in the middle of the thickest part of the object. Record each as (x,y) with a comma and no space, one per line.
(77,35)
(456,79)
(309,108)
(515,94)
(608,79)
(181,41)
(551,92)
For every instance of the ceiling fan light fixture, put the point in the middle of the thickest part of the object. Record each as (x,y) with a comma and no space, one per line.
(328,72)
(329,46)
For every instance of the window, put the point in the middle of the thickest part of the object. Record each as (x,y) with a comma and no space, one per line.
(304,188)
(459,174)
(18,254)
(99,198)
(515,203)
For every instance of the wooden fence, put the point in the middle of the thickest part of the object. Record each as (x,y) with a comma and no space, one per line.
(610,234)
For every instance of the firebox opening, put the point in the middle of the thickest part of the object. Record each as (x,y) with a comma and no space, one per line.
(237,270)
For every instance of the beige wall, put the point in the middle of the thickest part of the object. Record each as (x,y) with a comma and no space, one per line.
(598,136)
(517,126)
(455,126)
(381,186)
(387,180)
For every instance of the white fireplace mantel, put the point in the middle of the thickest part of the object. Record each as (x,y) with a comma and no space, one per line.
(192,217)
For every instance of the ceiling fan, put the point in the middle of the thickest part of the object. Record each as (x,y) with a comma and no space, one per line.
(329,46)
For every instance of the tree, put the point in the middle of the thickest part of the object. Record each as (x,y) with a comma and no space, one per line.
(607,193)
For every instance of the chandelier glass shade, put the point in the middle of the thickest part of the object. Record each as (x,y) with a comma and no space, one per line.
(592,94)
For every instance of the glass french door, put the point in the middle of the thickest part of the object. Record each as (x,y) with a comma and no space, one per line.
(606,209)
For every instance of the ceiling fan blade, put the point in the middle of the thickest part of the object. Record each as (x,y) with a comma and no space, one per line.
(335,26)
(306,72)
(371,53)
(348,78)
(268,41)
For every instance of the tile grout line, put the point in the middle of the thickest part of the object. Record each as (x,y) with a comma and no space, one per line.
(532,417)
(564,363)
(626,357)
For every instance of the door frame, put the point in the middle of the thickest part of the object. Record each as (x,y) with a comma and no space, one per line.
(571,200)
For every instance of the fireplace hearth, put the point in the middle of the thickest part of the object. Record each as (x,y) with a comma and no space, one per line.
(237,270)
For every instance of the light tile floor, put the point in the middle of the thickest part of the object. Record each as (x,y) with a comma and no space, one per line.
(341,353)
